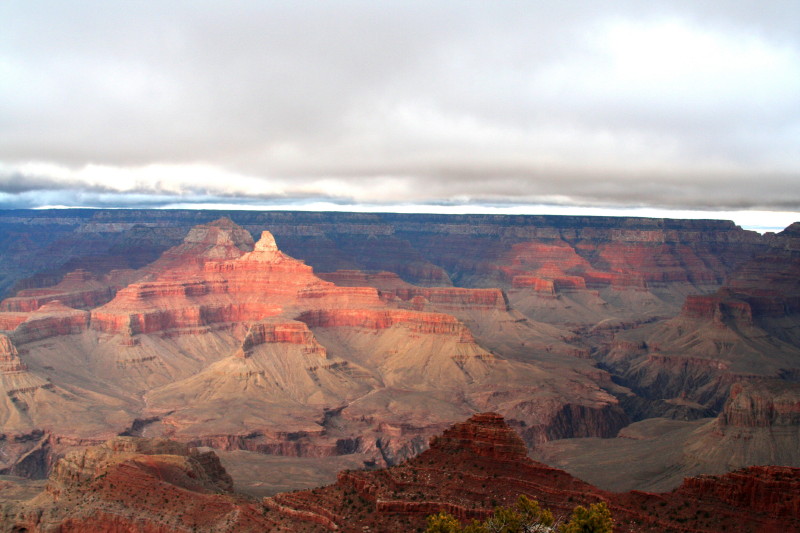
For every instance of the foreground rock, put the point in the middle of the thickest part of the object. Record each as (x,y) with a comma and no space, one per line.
(481,463)
(138,485)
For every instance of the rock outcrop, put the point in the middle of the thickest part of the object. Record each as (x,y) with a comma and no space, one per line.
(762,404)
(130,484)
(156,485)
(416,322)
(393,288)
(484,435)
(746,329)
(52,319)
(772,491)
(15,379)
(79,289)
(481,463)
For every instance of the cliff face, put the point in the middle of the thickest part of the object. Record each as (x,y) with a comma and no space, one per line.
(50,320)
(484,435)
(14,375)
(198,284)
(416,322)
(748,328)
(79,289)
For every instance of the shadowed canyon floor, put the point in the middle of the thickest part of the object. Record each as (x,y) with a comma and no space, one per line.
(348,339)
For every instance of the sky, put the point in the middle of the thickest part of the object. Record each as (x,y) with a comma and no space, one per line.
(652,108)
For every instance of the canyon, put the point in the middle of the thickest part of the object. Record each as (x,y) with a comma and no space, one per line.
(357,337)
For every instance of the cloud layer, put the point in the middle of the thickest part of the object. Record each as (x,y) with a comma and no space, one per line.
(667,104)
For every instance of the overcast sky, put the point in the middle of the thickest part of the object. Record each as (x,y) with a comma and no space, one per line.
(383,105)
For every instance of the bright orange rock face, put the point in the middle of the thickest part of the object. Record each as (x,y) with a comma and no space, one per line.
(436,323)
(255,285)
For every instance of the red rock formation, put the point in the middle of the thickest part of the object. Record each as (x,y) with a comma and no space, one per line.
(217,282)
(773,491)
(522,281)
(453,298)
(436,323)
(384,281)
(748,328)
(292,333)
(253,286)
(485,435)
(79,289)
(216,241)
(482,463)
(718,308)
(391,287)
(130,484)
(50,320)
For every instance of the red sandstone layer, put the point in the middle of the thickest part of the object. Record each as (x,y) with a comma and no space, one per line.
(50,320)
(436,323)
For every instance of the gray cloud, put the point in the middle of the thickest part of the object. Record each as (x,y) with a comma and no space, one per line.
(673,104)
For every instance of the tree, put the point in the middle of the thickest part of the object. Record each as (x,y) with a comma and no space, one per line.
(595,519)
(525,517)
(443,523)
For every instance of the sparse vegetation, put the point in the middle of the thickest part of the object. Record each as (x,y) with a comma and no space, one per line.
(527,516)
(595,519)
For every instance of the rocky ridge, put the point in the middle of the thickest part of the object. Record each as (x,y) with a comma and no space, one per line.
(481,463)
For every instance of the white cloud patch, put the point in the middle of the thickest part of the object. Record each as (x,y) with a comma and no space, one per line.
(671,104)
